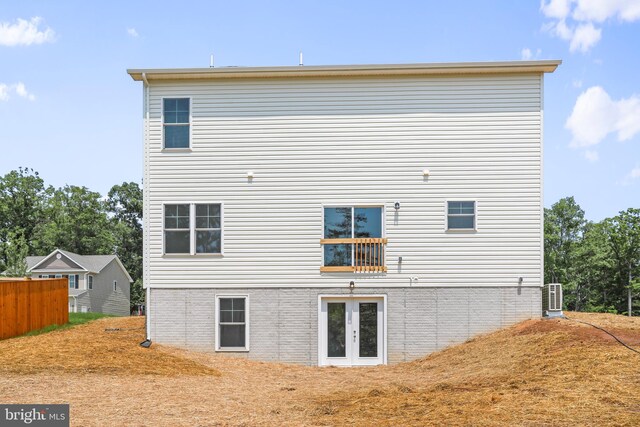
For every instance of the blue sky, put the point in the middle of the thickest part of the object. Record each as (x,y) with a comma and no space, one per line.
(69,110)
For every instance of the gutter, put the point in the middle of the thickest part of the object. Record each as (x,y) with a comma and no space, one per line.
(147,342)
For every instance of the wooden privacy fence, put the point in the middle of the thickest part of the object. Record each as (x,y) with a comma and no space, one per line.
(27,305)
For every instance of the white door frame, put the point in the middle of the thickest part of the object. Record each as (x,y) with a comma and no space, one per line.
(322,330)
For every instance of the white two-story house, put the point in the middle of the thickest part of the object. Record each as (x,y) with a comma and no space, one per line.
(341,215)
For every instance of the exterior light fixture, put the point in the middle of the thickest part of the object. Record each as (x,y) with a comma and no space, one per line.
(352,284)
(397,206)
(250,174)
(425,172)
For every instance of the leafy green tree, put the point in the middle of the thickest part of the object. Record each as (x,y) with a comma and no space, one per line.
(564,225)
(77,222)
(16,252)
(592,267)
(23,200)
(124,203)
(624,241)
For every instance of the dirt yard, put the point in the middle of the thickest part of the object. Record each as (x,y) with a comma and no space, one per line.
(537,373)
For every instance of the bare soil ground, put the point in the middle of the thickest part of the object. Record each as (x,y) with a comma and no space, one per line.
(537,373)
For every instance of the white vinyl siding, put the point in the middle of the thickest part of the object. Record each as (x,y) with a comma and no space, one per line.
(353,141)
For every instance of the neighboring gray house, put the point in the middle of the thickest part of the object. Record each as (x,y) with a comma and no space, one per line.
(97,283)
(341,215)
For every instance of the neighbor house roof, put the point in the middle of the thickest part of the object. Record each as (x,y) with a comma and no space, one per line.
(372,70)
(89,263)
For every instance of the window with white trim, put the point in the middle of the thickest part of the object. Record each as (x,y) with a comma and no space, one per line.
(176,122)
(343,225)
(191,229)
(74,280)
(232,319)
(461,215)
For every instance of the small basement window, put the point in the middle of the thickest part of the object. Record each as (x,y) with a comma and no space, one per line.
(233,323)
(461,215)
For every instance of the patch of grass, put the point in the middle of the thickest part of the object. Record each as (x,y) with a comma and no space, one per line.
(74,320)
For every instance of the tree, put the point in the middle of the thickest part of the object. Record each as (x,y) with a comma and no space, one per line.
(77,222)
(16,252)
(564,225)
(124,203)
(23,199)
(624,241)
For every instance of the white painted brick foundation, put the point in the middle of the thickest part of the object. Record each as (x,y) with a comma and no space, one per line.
(284,321)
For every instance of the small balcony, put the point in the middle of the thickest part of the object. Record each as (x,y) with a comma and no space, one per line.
(355,255)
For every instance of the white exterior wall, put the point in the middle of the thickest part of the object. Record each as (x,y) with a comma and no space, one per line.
(351,141)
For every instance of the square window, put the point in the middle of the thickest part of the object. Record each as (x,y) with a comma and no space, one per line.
(193,228)
(461,215)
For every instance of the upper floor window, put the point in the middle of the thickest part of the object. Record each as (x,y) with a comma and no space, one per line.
(90,282)
(74,280)
(175,121)
(461,215)
(193,228)
(353,238)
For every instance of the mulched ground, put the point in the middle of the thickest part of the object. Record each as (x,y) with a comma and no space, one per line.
(539,372)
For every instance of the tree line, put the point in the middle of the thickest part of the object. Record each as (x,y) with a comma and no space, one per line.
(598,263)
(35,219)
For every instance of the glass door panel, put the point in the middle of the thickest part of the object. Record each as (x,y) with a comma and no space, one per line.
(336,329)
(368,340)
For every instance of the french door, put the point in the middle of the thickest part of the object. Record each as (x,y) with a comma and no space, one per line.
(351,331)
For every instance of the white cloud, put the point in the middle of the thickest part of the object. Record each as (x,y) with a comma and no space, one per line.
(526,54)
(4,92)
(581,33)
(25,33)
(631,176)
(132,32)
(601,10)
(595,115)
(591,155)
(558,9)
(584,37)
(19,89)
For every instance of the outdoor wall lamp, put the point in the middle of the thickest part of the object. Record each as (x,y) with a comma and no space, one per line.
(250,174)
(397,206)
(352,284)
(425,172)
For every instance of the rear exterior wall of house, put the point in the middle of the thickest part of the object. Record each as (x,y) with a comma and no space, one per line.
(366,141)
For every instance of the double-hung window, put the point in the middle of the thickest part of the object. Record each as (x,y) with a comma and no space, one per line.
(352,239)
(73,281)
(232,323)
(176,122)
(461,215)
(193,228)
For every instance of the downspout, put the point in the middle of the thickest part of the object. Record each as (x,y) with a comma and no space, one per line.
(147,342)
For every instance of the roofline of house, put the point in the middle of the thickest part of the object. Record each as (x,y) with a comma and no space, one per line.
(57,250)
(371,70)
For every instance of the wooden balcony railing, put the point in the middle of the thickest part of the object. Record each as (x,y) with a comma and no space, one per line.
(368,255)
